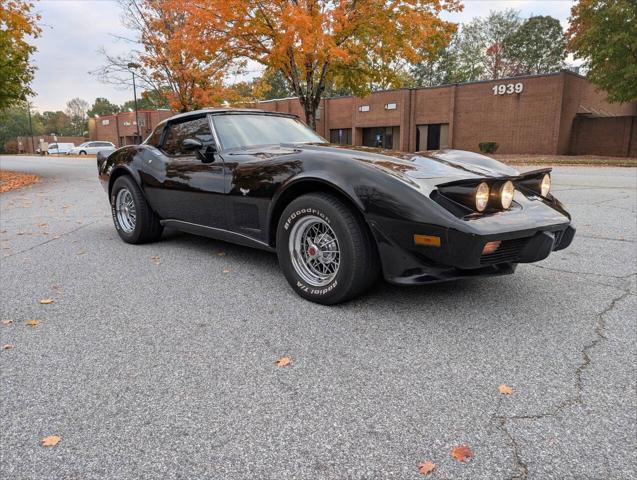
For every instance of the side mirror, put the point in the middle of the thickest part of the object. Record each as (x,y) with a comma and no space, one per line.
(207,155)
(191,144)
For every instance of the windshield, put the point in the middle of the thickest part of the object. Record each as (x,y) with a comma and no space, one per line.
(246,130)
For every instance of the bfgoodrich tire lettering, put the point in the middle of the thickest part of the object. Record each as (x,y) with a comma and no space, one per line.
(337,241)
(146,225)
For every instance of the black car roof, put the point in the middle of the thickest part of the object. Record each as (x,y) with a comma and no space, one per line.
(224,111)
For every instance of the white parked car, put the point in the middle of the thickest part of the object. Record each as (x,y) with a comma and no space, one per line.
(91,147)
(56,148)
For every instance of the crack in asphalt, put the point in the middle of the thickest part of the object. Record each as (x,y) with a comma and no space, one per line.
(596,237)
(553,269)
(600,335)
(50,240)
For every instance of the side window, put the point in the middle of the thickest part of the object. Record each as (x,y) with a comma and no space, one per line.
(177,132)
(155,137)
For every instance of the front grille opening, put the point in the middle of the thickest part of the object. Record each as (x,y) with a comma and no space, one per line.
(508,252)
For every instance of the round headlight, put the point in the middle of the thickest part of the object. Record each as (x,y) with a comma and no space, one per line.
(545,186)
(506,194)
(482,197)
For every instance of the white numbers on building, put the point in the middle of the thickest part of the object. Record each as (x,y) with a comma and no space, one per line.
(508,88)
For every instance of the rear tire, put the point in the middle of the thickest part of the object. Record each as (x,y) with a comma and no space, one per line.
(134,220)
(82,152)
(325,249)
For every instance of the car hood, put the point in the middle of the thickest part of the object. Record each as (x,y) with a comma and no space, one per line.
(440,166)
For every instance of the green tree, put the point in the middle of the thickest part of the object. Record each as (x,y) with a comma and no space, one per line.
(442,69)
(476,52)
(76,109)
(148,100)
(491,33)
(538,46)
(275,85)
(101,106)
(14,122)
(17,24)
(604,34)
(56,122)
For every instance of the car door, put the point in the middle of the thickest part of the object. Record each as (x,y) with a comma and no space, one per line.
(186,185)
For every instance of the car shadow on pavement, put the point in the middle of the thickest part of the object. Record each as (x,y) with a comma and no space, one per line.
(380,292)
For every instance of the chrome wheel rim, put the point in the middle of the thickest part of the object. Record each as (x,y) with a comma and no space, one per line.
(314,251)
(125,210)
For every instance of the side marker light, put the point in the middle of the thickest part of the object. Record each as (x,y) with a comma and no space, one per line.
(427,240)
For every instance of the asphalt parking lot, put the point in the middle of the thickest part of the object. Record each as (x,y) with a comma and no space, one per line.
(157,361)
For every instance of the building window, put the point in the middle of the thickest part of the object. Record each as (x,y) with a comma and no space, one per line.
(382,137)
(433,136)
(106,122)
(363,108)
(341,136)
(391,106)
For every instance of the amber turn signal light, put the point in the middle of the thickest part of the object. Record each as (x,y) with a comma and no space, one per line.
(491,247)
(427,240)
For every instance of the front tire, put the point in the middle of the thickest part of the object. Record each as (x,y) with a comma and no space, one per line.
(325,249)
(82,152)
(134,220)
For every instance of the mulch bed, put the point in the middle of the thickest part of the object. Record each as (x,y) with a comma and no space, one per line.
(580,160)
(14,180)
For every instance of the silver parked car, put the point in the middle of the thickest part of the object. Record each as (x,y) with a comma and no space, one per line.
(91,147)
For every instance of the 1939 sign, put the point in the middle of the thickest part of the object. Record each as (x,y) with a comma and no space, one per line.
(508,88)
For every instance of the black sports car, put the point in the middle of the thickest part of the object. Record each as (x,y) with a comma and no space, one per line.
(336,216)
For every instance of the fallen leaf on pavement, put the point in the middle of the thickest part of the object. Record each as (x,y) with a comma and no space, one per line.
(226,270)
(461,453)
(156,259)
(46,301)
(80,253)
(221,254)
(14,180)
(50,441)
(426,468)
(283,362)
(42,225)
(32,323)
(7,346)
(505,390)
(7,322)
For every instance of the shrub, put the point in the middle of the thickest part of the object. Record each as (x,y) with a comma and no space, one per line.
(11,146)
(488,147)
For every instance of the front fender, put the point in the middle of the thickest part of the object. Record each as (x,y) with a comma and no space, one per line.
(121,162)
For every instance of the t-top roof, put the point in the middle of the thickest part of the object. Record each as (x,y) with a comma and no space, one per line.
(232,111)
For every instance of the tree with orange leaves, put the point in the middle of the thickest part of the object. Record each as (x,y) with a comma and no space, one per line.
(174,61)
(314,43)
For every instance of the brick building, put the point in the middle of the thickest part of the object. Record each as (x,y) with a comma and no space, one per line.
(26,144)
(559,113)
(121,128)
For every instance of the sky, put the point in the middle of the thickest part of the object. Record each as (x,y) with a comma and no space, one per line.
(74,31)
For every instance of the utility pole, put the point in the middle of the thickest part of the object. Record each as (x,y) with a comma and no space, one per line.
(30,127)
(132,66)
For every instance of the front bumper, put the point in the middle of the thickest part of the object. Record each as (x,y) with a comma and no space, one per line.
(460,252)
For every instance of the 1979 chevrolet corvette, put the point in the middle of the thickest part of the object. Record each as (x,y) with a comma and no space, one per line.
(336,216)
